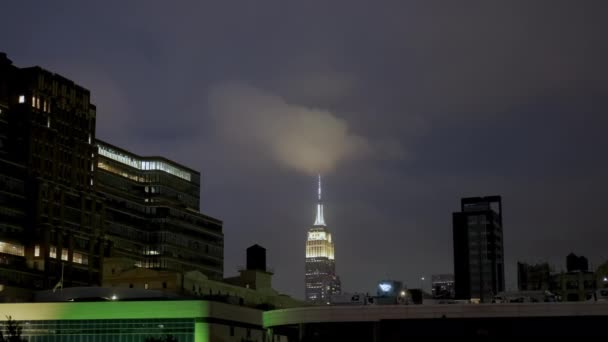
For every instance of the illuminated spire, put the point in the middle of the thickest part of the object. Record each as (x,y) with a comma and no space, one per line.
(319,220)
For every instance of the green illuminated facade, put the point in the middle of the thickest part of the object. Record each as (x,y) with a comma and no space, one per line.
(189,321)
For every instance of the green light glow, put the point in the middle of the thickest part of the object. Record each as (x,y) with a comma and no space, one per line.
(107,310)
(201,332)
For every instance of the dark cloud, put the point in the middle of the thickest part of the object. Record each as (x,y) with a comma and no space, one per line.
(446,99)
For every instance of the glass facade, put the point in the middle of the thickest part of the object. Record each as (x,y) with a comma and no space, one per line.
(107,330)
(140,164)
(152,214)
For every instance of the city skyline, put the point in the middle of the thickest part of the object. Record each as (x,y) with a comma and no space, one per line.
(404,113)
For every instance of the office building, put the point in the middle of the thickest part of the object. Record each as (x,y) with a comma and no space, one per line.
(51,218)
(137,321)
(488,322)
(577,283)
(533,277)
(442,286)
(321,281)
(69,202)
(152,213)
(478,249)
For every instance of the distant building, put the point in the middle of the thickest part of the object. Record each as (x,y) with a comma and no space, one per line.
(252,287)
(442,286)
(389,288)
(390,292)
(350,299)
(573,286)
(152,213)
(478,249)
(576,263)
(533,277)
(577,284)
(321,281)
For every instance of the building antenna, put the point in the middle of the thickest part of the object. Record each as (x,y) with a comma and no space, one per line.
(319,187)
(319,219)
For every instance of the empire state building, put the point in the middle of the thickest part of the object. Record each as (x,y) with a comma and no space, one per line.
(321,279)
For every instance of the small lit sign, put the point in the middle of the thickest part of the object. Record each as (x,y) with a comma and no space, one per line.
(385,287)
(316,236)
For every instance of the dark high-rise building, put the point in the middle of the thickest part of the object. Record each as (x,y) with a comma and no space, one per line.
(152,213)
(51,219)
(478,249)
(533,277)
(576,263)
(321,281)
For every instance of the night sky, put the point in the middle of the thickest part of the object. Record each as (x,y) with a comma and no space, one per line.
(404,107)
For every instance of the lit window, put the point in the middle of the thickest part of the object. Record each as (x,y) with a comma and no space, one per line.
(146,286)
(80,258)
(38,102)
(37,250)
(91,181)
(64,254)
(10,248)
(21,98)
(53,252)
(89,138)
(48,122)
(33,101)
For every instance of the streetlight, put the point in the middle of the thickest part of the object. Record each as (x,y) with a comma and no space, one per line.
(421,283)
(605,278)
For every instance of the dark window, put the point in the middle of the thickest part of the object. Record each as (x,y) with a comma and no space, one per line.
(164,284)
(248,333)
(130,286)
(231,330)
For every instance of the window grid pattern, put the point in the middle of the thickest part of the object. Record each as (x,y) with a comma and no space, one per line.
(118,330)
